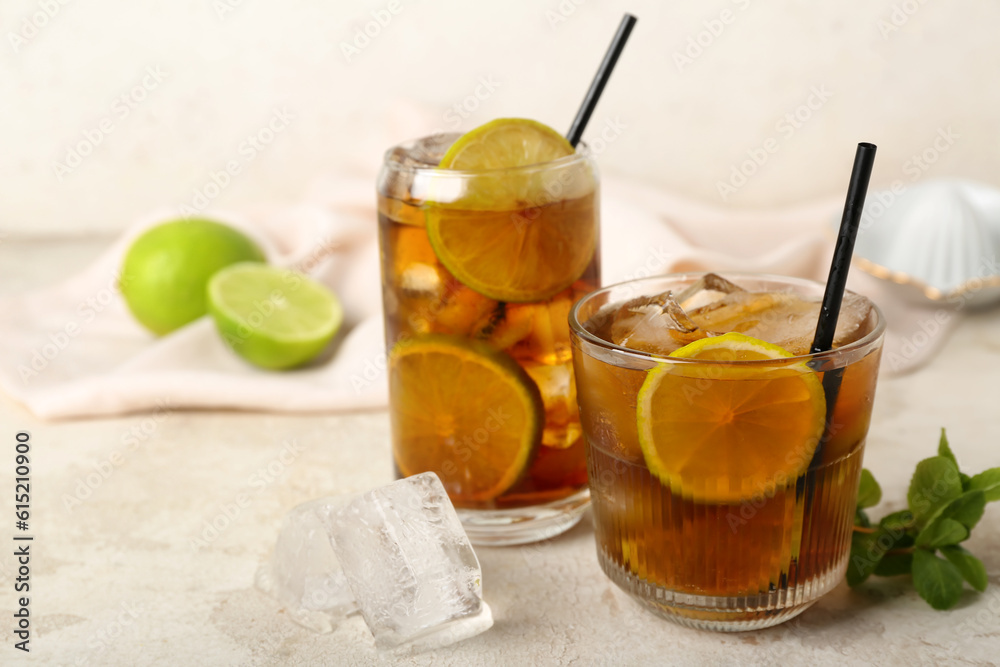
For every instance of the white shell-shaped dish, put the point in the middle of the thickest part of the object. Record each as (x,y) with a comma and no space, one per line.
(938,240)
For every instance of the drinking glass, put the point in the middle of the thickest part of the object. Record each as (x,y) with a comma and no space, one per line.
(479,272)
(756,523)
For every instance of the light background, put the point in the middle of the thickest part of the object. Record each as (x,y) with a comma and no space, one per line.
(899,74)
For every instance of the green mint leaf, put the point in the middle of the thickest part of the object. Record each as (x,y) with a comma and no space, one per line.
(944,506)
(934,484)
(941,533)
(897,521)
(869,550)
(865,555)
(972,568)
(869,492)
(988,482)
(967,509)
(893,565)
(944,449)
(937,581)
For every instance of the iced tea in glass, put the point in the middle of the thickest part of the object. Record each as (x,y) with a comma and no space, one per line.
(479,272)
(724,479)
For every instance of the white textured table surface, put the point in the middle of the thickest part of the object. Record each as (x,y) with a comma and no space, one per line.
(131,576)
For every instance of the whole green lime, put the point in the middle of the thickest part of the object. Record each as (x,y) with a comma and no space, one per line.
(166,270)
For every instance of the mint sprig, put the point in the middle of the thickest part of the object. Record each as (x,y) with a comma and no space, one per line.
(943,506)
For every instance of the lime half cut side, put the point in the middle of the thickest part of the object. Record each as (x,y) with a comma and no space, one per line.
(274,318)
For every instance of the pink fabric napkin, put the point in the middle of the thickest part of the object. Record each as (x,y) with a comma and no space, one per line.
(74,350)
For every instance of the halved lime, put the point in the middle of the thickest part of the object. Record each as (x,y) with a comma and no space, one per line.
(464,411)
(273,318)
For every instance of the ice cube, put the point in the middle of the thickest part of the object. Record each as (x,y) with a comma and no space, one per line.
(787,320)
(420,280)
(304,573)
(410,565)
(428,151)
(396,180)
(852,323)
(654,324)
(707,289)
(562,416)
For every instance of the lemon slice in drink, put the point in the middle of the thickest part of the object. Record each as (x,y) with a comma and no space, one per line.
(722,433)
(273,318)
(511,236)
(506,142)
(464,411)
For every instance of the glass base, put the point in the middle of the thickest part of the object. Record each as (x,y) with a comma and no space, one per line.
(720,613)
(521,525)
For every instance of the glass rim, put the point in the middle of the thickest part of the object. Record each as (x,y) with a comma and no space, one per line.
(583,153)
(867,340)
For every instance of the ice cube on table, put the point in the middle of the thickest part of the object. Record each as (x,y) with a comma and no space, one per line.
(398,554)
(304,573)
(410,565)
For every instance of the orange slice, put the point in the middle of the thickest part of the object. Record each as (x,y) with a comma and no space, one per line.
(722,433)
(464,411)
(521,235)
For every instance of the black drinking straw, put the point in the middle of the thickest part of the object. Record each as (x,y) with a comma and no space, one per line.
(826,326)
(861,173)
(600,80)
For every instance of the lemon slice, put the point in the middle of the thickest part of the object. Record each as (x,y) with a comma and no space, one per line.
(521,235)
(506,142)
(464,411)
(721,433)
(273,318)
